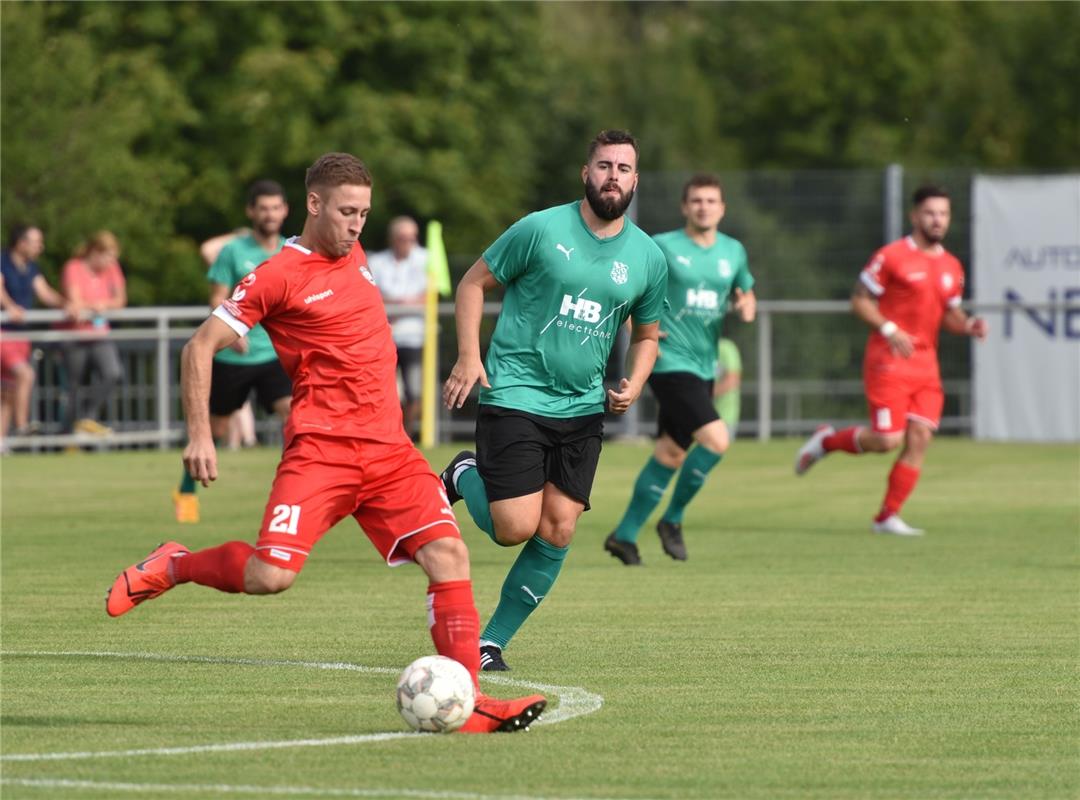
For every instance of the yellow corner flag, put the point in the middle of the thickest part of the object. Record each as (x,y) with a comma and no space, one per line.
(438,275)
(438,268)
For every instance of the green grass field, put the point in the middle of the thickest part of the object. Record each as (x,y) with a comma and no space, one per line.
(794,655)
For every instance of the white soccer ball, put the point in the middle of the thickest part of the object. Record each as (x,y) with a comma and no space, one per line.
(435,693)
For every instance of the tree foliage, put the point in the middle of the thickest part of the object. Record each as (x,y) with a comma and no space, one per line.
(150,118)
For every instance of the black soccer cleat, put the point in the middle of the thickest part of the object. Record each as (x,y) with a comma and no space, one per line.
(626,552)
(449,476)
(491,659)
(671,539)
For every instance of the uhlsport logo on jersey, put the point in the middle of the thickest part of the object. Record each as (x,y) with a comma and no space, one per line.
(723,266)
(620,272)
(366,274)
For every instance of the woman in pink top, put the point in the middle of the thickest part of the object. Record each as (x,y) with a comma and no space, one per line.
(93,284)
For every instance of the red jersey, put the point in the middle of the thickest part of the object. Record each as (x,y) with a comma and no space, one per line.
(914,289)
(328,324)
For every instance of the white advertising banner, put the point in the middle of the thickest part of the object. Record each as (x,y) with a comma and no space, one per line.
(1026,249)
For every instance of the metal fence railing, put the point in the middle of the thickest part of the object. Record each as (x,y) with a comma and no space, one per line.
(801,366)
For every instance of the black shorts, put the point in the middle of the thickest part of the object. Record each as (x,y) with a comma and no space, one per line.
(686,404)
(410,361)
(518,452)
(230,385)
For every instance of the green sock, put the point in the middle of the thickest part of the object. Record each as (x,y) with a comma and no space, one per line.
(471,488)
(691,478)
(527,583)
(649,488)
(187,484)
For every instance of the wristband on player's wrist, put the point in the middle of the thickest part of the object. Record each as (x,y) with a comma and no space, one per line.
(888,328)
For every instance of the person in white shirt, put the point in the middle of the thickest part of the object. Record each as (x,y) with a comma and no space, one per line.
(401,275)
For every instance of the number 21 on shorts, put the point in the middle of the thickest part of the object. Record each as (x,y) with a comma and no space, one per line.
(285,519)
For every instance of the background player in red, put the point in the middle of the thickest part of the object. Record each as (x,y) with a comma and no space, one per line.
(909,291)
(346,451)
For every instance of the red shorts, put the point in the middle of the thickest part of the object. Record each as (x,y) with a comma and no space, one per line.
(895,400)
(389,490)
(13,352)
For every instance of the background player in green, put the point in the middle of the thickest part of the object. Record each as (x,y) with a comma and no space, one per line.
(705,267)
(726,390)
(573,274)
(251,362)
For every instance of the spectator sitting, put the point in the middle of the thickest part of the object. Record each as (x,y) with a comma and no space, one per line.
(22,281)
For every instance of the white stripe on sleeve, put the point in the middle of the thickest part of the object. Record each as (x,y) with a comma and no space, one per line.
(238,326)
(875,288)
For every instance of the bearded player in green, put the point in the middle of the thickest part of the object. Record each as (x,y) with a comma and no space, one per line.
(573,274)
(705,267)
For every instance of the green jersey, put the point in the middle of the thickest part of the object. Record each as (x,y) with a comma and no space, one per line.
(567,293)
(236,260)
(699,282)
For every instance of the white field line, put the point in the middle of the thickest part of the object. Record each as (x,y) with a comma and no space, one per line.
(574,701)
(190,789)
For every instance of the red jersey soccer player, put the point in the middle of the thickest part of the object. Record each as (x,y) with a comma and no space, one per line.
(346,451)
(910,290)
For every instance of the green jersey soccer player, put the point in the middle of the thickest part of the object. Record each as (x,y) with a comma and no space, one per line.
(705,268)
(573,275)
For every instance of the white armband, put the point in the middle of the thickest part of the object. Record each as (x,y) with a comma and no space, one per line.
(888,328)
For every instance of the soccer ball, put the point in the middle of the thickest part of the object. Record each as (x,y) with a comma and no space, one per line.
(435,693)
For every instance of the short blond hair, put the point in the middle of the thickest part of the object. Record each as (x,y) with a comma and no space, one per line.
(99,242)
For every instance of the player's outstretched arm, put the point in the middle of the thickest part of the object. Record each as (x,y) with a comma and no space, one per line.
(865,307)
(196,365)
(469,310)
(640,357)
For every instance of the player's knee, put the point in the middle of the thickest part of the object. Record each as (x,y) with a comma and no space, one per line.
(558,532)
(514,532)
(668,453)
(714,437)
(884,442)
(445,559)
(263,578)
(918,437)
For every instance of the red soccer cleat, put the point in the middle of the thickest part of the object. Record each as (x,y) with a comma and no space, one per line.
(503,716)
(143,581)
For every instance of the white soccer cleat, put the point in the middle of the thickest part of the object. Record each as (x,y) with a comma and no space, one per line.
(896,526)
(813,451)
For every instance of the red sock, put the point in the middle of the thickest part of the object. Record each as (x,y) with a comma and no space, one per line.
(455,625)
(220,567)
(846,440)
(902,481)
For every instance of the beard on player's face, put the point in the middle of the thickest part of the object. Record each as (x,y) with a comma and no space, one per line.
(609,208)
(934,234)
(266,227)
